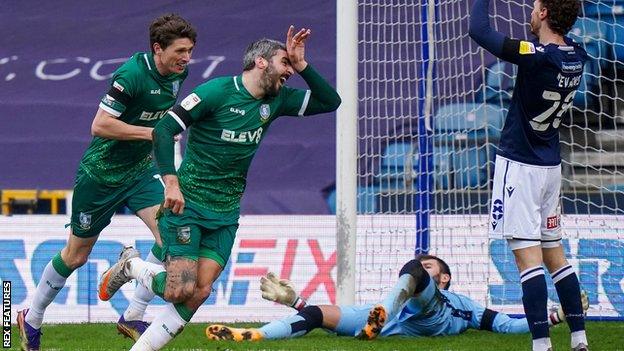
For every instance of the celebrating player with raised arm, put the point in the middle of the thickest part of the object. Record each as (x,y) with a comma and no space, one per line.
(527,179)
(227,118)
(418,305)
(117,169)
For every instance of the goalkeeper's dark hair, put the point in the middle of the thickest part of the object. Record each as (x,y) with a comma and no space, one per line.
(562,14)
(265,48)
(167,28)
(444,268)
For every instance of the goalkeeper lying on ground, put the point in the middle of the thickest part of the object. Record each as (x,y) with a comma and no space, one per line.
(418,305)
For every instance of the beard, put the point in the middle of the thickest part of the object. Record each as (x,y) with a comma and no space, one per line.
(534,27)
(270,78)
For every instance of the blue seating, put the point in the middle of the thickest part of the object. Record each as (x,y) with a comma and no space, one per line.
(464,135)
(367,202)
(615,36)
(443,166)
(603,9)
(397,159)
(456,122)
(470,168)
(592,35)
(499,83)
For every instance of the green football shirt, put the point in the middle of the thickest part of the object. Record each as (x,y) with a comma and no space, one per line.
(139,95)
(228,124)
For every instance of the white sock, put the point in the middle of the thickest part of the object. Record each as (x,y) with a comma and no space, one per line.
(143,271)
(49,286)
(162,330)
(541,344)
(578,337)
(142,296)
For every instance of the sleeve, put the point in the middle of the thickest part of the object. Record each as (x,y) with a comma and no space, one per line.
(124,86)
(196,106)
(321,97)
(162,135)
(519,52)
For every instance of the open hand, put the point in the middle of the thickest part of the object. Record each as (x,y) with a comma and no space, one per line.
(295,47)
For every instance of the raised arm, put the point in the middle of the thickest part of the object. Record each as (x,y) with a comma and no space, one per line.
(481,31)
(323,97)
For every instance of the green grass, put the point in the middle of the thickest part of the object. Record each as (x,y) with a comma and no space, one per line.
(602,336)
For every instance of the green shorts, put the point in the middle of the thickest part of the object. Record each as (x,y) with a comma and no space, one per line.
(93,203)
(198,232)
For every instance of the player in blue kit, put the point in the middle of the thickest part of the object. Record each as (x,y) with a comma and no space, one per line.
(418,305)
(525,206)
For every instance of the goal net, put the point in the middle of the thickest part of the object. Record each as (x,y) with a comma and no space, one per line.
(432,105)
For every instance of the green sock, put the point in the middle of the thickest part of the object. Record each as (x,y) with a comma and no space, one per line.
(158,284)
(184,311)
(157,251)
(60,267)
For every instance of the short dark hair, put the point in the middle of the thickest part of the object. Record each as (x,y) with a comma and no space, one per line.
(167,28)
(444,268)
(562,14)
(265,48)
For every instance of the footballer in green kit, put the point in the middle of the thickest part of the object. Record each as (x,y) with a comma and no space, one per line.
(117,169)
(227,119)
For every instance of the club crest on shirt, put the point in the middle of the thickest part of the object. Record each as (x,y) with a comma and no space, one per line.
(175,86)
(265,112)
(184,235)
(85,220)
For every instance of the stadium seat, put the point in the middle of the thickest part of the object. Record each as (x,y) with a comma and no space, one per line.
(464,135)
(592,35)
(442,160)
(615,35)
(603,9)
(30,198)
(470,168)
(396,160)
(499,83)
(366,200)
(468,122)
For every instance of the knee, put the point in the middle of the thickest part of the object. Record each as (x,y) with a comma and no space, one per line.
(203,292)
(76,259)
(179,294)
(413,267)
(418,272)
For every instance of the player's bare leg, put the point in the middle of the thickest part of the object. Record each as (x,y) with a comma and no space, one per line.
(170,323)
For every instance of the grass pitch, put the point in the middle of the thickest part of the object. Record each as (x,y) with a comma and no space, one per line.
(602,336)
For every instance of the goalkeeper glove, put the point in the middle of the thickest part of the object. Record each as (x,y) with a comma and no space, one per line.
(281,291)
(558,316)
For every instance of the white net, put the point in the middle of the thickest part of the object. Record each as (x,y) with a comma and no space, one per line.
(469,96)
